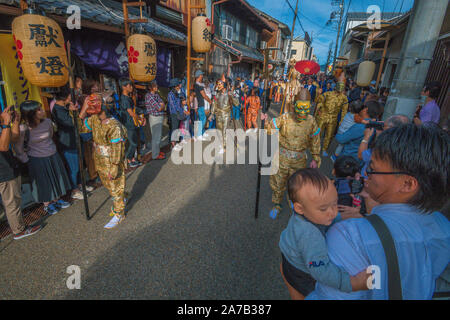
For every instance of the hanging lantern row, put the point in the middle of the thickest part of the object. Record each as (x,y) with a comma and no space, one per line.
(201,33)
(142,57)
(40,49)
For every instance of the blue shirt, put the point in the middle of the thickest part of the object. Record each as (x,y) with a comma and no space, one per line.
(303,245)
(174,103)
(422,242)
(351,139)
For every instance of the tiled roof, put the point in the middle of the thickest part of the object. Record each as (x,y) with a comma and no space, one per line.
(240,50)
(106,12)
(249,52)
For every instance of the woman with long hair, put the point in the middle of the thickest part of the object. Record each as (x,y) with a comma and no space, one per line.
(49,179)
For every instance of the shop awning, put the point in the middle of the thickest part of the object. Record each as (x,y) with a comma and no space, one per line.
(240,51)
(99,13)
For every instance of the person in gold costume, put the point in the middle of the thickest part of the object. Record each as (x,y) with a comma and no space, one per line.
(298,131)
(327,110)
(221,109)
(109,144)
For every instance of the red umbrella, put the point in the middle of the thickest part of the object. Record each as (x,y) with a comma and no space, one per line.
(307,67)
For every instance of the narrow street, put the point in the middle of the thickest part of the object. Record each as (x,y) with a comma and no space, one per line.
(190,233)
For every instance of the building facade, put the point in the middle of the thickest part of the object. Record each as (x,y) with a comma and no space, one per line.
(239,31)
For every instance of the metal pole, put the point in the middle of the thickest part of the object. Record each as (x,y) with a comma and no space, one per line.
(338,33)
(418,47)
(292,36)
(266,74)
(77,135)
(188,70)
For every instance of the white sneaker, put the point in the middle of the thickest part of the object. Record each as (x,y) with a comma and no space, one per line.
(114,222)
(184,142)
(177,147)
(255,130)
(205,135)
(248,131)
(77,195)
(89,188)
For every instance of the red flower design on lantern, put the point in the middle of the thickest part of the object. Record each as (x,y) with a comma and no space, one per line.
(132,55)
(19,46)
(208,22)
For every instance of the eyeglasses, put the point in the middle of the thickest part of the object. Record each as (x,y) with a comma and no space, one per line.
(369,171)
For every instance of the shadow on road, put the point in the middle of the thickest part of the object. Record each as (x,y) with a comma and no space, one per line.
(211,248)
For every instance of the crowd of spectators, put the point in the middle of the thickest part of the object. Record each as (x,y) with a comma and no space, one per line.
(397,169)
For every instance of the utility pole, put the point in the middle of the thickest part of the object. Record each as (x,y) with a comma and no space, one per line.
(418,47)
(341,12)
(288,56)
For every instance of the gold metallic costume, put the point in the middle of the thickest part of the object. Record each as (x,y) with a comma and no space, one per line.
(298,131)
(109,144)
(327,110)
(221,109)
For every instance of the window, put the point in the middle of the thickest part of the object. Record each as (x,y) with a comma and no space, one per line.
(293,52)
(247,36)
(236,30)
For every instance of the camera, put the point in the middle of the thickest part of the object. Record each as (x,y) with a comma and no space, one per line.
(377,125)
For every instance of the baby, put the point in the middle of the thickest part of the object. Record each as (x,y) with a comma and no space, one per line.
(303,246)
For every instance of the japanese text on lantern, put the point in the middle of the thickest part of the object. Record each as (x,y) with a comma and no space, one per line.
(51,65)
(150,68)
(150,49)
(39,34)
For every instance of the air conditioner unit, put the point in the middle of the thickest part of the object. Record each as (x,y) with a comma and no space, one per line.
(227,32)
(263,45)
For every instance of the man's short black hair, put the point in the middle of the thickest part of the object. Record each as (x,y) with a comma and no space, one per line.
(356,106)
(373,109)
(124,82)
(434,89)
(422,152)
(346,166)
(303,177)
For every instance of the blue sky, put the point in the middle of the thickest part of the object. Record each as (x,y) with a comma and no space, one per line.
(313,15)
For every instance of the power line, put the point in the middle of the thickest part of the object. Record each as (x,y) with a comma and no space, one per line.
(296,16)
(401,6)
(395,6)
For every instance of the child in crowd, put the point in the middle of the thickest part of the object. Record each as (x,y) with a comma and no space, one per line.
(184,125)
(304,252)
(355,107)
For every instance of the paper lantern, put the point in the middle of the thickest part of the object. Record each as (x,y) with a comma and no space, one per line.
(142,57)
(41,50)
(201,33)
(365,73)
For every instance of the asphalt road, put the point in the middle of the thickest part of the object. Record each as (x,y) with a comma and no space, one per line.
(190,233)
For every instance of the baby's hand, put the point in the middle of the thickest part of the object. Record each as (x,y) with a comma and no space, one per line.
(359,282)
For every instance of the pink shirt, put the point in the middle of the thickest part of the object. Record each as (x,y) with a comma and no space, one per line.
(40,143)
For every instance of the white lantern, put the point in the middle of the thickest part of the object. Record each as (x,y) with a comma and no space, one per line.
(201,34)
(365,73)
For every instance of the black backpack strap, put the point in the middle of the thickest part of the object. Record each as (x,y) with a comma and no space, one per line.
(394,282)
